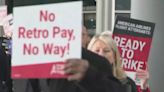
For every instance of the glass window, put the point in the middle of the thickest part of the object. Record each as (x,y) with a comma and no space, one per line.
(122,14)
(35,2)
(122,4)
(89,3)
(90,20)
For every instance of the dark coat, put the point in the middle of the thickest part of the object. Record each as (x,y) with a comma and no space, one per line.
(4,63)
(129,85)
(99,77)
(5,80)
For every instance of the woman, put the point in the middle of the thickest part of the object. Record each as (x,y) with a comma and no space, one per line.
(86,75)
(105,46)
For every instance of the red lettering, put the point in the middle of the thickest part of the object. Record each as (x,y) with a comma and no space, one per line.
(29,34)
(46,16)
(56,30)
(43,15)
(32,33)
(47,48)
(29,49)
(21,33)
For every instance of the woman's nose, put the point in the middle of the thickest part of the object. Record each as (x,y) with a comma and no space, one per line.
(101,53)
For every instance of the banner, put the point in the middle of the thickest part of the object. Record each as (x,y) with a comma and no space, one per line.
(133,38)
(44,36)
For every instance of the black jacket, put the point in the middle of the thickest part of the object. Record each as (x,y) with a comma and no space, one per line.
(4,63)
(98,78)
(129,85)
(5,80)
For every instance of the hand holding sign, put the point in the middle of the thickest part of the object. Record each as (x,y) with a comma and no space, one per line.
(143,76)
(46,37)
(133,38)
(76,68)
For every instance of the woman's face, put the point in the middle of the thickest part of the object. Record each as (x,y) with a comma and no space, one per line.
(103,49)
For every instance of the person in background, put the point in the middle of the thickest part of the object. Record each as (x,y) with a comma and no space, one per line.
(5,58)
(35,85)
(4,68)
(142,75)
(85,37)
(105,46)
(86,74)
(91,73)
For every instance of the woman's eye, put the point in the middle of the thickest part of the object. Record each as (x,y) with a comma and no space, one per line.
(97,50)
(107,50)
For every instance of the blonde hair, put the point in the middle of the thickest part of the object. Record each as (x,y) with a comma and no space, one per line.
(106,37)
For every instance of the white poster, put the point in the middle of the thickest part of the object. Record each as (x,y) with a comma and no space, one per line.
(44,36)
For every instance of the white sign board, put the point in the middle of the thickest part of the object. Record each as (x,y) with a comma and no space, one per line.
(44,36)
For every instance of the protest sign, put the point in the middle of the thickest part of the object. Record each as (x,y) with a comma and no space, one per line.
(43,37)
(133,38)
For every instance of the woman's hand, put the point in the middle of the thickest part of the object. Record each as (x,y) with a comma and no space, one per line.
(143,75)
(76,68)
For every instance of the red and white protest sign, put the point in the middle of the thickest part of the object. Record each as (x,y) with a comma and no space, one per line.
(133,38)
(44,36)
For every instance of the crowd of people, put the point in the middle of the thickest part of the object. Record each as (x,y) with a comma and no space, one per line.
(104,45)
(99,70)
